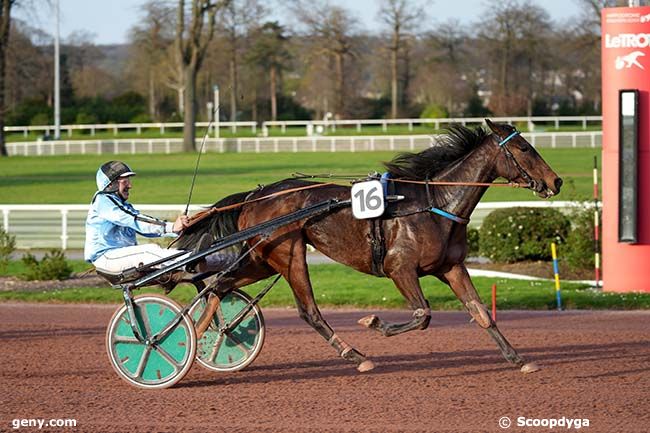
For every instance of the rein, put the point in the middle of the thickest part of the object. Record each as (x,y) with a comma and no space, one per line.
(206,213)
(502,145)
(446,183)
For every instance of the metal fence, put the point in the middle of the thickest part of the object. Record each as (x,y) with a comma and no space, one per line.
(309,125)
(137,127)
(63,226)
(329,124)
(279,144)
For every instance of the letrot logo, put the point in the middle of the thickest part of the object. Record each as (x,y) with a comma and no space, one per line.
(627,40)
(645,18)
(629,60)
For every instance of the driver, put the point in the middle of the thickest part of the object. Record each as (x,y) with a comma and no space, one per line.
(112,223)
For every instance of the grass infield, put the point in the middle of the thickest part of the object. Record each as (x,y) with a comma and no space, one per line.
(337,286)
(165,179)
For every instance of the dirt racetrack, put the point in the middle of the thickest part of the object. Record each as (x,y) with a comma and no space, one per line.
(449,378)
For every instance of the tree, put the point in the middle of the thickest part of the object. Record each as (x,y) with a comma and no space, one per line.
(28,69)
(83,57)
(534,52)
(516,43)
(192,39)
(399,16)
(270,52)
(582,44)
(591,10)
(5,26)
(151,41)
(236,19)
(443,78)
(331,28)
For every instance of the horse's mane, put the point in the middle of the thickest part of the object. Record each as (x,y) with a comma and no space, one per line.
(219,225)
(456,143)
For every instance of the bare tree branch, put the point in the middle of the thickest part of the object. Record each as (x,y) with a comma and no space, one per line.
(191,52)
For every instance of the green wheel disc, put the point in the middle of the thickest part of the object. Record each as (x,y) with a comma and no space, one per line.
(160,365)
(221,349)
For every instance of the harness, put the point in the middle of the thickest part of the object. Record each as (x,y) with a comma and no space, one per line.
(376,234)
(448,215)
(377,246)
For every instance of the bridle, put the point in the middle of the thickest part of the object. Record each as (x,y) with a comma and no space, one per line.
(532,184)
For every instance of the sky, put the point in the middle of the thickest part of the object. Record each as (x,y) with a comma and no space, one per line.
(109,21)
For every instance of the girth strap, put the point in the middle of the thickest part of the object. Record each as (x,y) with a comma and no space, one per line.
(377,246)
(451,216)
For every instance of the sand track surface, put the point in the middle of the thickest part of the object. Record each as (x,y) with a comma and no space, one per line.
(448,378)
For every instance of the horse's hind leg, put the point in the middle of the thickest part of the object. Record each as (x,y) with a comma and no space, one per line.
(460,282)
(409,285)
(292,265)
(249,273)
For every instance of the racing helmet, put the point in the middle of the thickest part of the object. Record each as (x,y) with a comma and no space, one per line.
(109,172)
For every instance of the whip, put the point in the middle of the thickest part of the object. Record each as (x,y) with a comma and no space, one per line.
(198,160)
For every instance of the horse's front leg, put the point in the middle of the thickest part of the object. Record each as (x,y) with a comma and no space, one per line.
(460,282)
(409,286)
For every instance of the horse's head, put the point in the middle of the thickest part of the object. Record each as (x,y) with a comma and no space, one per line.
(518,161)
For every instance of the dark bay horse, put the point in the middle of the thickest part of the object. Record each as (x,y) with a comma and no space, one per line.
(414,241)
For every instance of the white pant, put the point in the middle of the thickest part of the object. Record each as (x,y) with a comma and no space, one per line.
(120,259)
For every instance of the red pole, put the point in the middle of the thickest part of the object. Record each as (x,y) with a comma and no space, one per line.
(494,302)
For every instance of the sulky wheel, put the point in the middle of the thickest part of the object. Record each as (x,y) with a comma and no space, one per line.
(151,366)
(221,349)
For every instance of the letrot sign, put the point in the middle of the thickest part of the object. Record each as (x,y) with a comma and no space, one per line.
(626,148)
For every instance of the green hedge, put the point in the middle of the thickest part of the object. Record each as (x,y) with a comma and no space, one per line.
(7,247)
(473,242)
(521,233)
(53,266)
(579,248)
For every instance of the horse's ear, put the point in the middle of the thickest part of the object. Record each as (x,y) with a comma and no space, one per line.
(491,125)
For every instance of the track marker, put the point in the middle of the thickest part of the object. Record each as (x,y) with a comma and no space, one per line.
(556,271)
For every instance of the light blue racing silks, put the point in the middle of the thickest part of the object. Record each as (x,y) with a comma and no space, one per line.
(113,223)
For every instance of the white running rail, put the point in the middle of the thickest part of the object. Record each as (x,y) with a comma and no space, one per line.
(63,226)
(360,143)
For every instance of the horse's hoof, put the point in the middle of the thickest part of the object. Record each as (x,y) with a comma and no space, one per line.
(366,365)
(530,367)
(368,321)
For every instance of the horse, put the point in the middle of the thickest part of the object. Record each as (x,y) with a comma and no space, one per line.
(423,234)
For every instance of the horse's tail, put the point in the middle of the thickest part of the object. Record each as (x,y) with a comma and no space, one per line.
(219,224)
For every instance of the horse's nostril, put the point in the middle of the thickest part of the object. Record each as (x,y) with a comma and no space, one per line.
(558,183)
